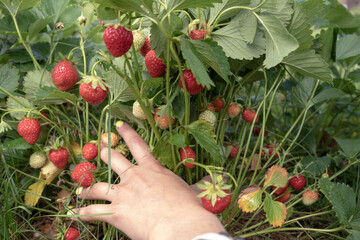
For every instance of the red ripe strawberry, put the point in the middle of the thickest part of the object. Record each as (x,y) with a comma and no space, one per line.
(118,40)
(234,152)
(196,34)
(284,198)
(297,182)
(221,203)
(271,148)
(191,84)
(233,110)
(72,234)
(218,103)
(90,151)
(310,197)
(93,90)
(249,115)
(280,190)
(64,75)
(187,153)
(59,157)
(164,121)
(146,47)
(257,131)
(82,173)
(154,65)
(29,129)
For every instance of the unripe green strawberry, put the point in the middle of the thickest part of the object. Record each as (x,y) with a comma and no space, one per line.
(37,159)
(138,111)
(310,197)
(208,116)
(138,39)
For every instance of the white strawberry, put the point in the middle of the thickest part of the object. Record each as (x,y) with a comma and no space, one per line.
(138,111)
(37,159)
(208,116)
(138,39)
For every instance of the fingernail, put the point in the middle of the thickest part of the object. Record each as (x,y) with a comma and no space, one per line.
(119,123)
(79,190)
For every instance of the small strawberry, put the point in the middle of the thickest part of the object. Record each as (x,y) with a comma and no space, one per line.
(72,234)
(146,47)
(187,153)
(310,197)
(257,131)
(249,115)
(280,190)
(123,149)
(82,173)
(233,110)
(218,103)
(118,40)
(215,198)
(138,111)
(209,117)
(139,39)
(191,83)
(234,151)
(93,90)
(164,121)
(209,106)
(271,149)
(59,157)
(154,65)
(29,129)
(199,34)
(114,139)
(64,75)
(90,151)
(284,197)
(297,182)
(37,159)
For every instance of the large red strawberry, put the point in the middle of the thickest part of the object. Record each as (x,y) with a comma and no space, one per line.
(82,173)
(233,110)
(29,129)
(164,121)
(310,197)
(234,151)
(297,182)
(154,65)
(146,47)
(192,85)
(218,103)
(118,40)
(64,75)
(72,234)
(284,197)
(90,151)
(187,153)
(93,90)
(59,157)
(249,115)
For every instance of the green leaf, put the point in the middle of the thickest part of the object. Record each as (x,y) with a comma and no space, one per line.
(313,8)
(213,55)
(328,42)
(185,4)
(279,42)
(355,235)
(20,109)
(153,82)
(247,25)
(327,94)
(178,140)
(205,137)
(118,87)
(276,176)
(162,152)
(250,198)
(302,92)
(37,26)
(9,79)
(350,147)
(70,15)
(129,5)
(300,27)
(58,97)
(281,9)
(4,127)
(24,5)
(309,64)
(348,46)
(326,187)
(53,8)
(18,143)
(223,9)
(275,211)
(234,45)
(315,166)
(194,62)
(178,106)
(35,80)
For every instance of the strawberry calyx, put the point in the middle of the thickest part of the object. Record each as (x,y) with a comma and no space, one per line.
(55,144)
(211,191)
(95,81)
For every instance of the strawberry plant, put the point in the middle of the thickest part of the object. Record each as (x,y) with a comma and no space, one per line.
(247,92)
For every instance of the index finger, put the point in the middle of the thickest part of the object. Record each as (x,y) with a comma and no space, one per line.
(138,147)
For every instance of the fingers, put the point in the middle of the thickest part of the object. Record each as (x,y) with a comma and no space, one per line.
(138,147)
(98,212)
(118,162)
(99,191)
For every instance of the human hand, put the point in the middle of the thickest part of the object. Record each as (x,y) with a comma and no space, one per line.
(150,202)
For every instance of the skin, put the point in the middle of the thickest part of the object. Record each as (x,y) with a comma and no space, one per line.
(150,202)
